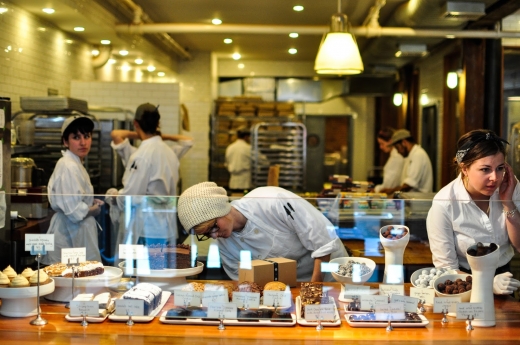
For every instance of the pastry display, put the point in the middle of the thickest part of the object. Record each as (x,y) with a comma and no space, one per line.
(312,293)
(194,286)
(10,272)
(44,278)
(394,233)
(246,286)
(84,269)
(427,276)
(18,282)
(27,272)
(229,287)
(148,293)
(103,299)
(455,287)
(482,249)
(347,269)
(178,313)
(4,280)
(371,317)
(169,256)
(84,297)
(275,286)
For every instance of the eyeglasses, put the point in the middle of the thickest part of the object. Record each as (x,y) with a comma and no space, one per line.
(208,234)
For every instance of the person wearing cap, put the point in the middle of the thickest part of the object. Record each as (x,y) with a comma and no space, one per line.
(151,170)
(394,165)
(480,205)
(268,222)
(417,174)
(238,162)
(71,194)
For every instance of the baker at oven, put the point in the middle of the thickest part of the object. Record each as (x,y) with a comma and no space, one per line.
(71,194)
(268,222)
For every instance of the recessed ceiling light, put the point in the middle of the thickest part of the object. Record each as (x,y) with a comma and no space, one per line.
(228,40)
(126,68)
(298,8)
(79,28)
(69,41)
(41,28)
(112,61)
(216,21)
(123,52)
(236,56)
(48,10)
(95,52)
(241,65)
(293,34)
(105,42)
(138,61)
(150,68)
(293,51)
(161,74)
(3,10)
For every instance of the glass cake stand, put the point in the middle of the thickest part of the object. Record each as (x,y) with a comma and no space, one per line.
(21,302)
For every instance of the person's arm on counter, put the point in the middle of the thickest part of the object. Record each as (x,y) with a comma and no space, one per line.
(317,274)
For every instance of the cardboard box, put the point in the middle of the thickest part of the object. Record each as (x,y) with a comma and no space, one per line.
(263,271)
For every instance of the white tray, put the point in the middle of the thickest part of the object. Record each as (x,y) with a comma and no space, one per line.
(341,297)
(228,322)
(93,319)
(123,318)
(166,273)
(353,311)
(302,322)
(384,324)
(21,302)
(111,276)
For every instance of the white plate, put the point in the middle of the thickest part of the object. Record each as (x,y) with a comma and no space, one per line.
(166,273)
(164,298)
(342,298)
(302,322)
(193,321)
(384,324)
(93,319)
(111,276)
(27,292)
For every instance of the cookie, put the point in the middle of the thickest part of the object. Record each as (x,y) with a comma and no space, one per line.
(275,286)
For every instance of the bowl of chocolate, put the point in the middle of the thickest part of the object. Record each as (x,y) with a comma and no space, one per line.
(395,232)
(352,270)
(454,285)
(482,249)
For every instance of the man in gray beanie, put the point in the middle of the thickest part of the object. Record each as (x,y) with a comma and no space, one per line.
(268,222)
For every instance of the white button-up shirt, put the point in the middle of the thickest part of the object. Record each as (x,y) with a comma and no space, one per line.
(391,171)
(417,171)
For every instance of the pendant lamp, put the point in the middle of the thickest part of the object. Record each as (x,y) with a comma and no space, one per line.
(338,53)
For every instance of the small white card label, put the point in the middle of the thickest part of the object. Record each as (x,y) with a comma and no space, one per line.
(315,312)
(424,294)
(389,289)
(410,303)
(475,310)
(389,311)
(219,296)
(247,299)
(222,310)
(355,291)
(129,307)
(73,255)
(443,303)
(368,302)
(277,298)
(132,251)
(39,241)
(84,308)
(187,298)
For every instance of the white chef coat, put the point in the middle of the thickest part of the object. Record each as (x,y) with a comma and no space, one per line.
(417,171)
(455,222)
(280,224)
(238,163)
(70,195)
(391,171)
(150,179)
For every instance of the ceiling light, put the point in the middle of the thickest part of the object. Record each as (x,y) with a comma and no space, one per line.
(293,35)
(48,10)
(293,51)
(398,99)
(69,41)
(41,28)
(123,52)
(298,8)
(79,28)
(161,74)
(94,52)
(150,68)
(236,56)
(452,80)
(411,50)
(228,40)
(138,61)
(216,21)
(112,61)
(338,52)
(126,68)
(241,65)
(424,99)
(105,42)
(3,10)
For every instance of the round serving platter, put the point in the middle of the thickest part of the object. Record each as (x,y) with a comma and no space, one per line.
(21,302)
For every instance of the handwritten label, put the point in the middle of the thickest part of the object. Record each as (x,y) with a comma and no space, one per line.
(73,255)
(424,294)
(246,299)
(368,302)
(442,303)
(132,251)
(187,298)
(220,296)
(410,303)
(324,312)
(470,309)
(389,311)
(222,310)
(277,298)
(389,289)
(39,242)
(355,291)
(129,307)
(84,308)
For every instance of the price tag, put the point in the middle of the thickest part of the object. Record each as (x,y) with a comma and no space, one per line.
(74,255)
(470,309)
(187,298)
(84,308)
(132,251)
(315,312)
(247,299)
(39,243)
(355,291)
(389,289)
(424,294)
(442,303)
(368,302)
(277,298)
(222,310)
(219,296)
(389,311)
(410,303)
(129,307)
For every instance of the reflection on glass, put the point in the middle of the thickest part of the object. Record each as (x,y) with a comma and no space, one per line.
(213,256)
(329,266)
(245,259)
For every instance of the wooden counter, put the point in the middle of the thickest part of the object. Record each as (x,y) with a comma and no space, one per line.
(59,331)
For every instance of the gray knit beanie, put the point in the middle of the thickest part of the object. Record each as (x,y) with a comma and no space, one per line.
(202,202)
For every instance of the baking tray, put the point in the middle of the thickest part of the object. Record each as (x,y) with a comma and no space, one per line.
(144,318)
(384,324)
(302,322)
(229,322)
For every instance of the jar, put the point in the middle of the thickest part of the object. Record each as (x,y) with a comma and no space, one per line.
(21,172)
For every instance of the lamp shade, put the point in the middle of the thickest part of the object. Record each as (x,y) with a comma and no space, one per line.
(338,54)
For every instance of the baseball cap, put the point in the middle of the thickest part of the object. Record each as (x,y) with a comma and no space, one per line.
(144,108)
(399,135)
(85,120)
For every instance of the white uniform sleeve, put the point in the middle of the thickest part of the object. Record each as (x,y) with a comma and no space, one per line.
(136,177)
(67,195)
(181,147)
(238,159)
(124,150)
(391,172)
(441,236)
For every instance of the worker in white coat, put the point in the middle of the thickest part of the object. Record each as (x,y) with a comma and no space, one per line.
(150,178)
(268,222)
(71,194)
(238,162)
